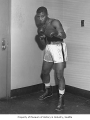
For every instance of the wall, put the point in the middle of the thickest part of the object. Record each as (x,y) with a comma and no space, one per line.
(77,73)
(25,53)
(26,57)
(70,13)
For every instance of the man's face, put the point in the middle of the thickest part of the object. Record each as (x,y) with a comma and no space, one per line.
(42,17)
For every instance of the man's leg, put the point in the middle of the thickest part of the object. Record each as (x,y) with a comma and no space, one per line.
(59,69)
(45,76)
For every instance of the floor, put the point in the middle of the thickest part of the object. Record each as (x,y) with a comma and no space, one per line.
(30,104)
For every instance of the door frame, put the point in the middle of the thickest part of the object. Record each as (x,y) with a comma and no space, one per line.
(8,57)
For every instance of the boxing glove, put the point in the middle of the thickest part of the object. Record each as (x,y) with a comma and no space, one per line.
(51,31)
(40,32)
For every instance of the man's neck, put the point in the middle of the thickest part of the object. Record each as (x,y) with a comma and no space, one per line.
(47,20)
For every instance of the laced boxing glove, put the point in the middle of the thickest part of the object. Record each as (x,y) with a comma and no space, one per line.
(53,33)
(50,32)
(40,32)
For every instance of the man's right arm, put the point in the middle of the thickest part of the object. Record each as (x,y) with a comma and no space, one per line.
(40,29)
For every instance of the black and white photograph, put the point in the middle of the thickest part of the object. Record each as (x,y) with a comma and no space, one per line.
(45,59)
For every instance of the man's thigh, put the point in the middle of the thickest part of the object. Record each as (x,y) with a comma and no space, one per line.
(47,66)
(59,67)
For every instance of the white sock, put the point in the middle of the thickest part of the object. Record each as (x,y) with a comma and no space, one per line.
(61,91)
(47,84)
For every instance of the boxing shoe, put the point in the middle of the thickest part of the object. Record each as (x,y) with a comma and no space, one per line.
(60,103)
(47,93)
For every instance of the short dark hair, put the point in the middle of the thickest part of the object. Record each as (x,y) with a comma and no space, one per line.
(42,9)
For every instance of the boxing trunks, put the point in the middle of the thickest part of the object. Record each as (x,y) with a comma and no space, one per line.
(55,51)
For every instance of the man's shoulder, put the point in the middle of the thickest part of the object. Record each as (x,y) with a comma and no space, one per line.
(56,22)
(53,21)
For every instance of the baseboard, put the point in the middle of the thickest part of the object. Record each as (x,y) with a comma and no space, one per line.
(78,91)
(26,90)
(39,87)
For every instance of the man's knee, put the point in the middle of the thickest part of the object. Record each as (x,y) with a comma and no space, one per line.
(44,74)
(59,75)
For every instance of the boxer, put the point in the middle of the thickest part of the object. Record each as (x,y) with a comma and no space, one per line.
(55,53)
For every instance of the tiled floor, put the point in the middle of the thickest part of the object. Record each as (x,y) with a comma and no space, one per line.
(29,104)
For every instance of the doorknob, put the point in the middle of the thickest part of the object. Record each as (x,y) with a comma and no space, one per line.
(3,44)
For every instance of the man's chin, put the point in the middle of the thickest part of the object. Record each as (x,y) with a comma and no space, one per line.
(42,23)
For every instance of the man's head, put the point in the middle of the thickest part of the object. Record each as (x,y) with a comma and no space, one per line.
(42,14)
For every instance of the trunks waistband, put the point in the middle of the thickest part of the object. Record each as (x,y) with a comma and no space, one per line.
(58,42)
(54,40)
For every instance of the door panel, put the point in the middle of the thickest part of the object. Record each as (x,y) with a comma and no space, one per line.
(4,36)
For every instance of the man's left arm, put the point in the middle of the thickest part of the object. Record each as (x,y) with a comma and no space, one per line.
(60,31)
